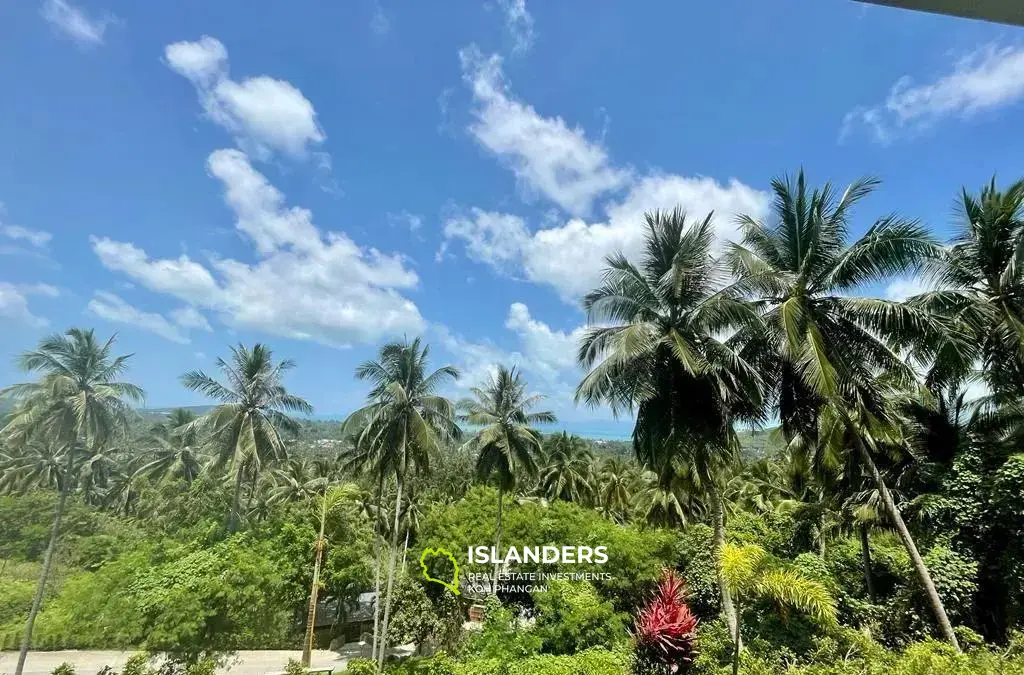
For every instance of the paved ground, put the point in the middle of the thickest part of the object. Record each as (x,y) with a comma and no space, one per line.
(242,663)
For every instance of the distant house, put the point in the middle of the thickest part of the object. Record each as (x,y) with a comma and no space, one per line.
(337,624)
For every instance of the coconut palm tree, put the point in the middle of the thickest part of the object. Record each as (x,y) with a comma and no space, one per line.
(297,480)
(244,430)
(750,573)
(820,347)
(397,432)
(569,469)
(616,480)
(77,407)
(658,350)
(980,288)
(175,450)
(507,446)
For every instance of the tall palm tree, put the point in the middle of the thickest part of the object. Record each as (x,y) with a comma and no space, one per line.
(507,445)
(77,407)
(658,350)
(397,432)
(820,347)
(568,472)
(980,287)
(297,480)
(244,430)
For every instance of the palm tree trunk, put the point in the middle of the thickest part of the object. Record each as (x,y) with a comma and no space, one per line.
(737,644)
(865,557)
(377,554)
(718,518)
(821,534)
(236,499)
(307,647)
(44,576)
(497,544)
(908,542)
(405,549)
(391,581)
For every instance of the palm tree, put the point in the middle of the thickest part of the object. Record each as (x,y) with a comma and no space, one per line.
(298,480)
(663,356)
(821,348)
(569,469)
(404,423)
(980,287)
(175,452)
(244,430)
(616,480)
(326,503)
(507,445)
(76,407)
(751,573)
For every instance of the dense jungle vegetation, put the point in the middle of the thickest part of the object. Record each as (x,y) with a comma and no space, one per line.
(874,524)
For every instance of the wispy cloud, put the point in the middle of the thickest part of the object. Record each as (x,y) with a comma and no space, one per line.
(519,23)
(14,302)
(75,23)
(35,238)
(112,308)
(988,78)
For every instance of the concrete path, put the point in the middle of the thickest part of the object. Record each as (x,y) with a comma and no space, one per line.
(241,663)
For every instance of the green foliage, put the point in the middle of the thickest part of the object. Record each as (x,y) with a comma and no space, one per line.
(294,667)
(64,669)
(138,664)
(361,667)
(700,569)
(501,638)
(572,617)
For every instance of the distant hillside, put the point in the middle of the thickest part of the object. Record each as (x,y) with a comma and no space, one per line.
(156,414)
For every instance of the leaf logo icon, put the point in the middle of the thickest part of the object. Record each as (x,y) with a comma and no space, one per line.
(432,553)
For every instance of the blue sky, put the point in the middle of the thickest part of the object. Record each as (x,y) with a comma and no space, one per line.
(324,176)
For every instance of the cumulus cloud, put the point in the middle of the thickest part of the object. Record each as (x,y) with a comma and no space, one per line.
(546,357)
(519,23)
(14,302)
(112,308)
(74,23)
(570,257)
(35,238)
(306,284)
(548,156)
(572,172)
(988,78)
(264,114)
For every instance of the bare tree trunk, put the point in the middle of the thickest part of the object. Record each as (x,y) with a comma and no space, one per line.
(44,576)
(391,581)
(497,544)
(377,554)
(718,518)
(405,549)
(236,500)
(865,556)
(737,643)
(307,647)
(821,534)
(908,542)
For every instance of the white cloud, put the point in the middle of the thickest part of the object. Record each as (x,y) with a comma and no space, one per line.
(306,284)
(546,155)
(264,114)
(75,23)
(988,78)
(411,220)
(570,257)
(901,289)
(190,317)
(36,238)
(519,23)
(14,301)
(550,352)
(572,172)
(112,308)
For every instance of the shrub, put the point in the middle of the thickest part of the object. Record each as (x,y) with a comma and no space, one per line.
(665,627)
(294,667)
(137,664)
(64,669)
(361,667)
(572,617)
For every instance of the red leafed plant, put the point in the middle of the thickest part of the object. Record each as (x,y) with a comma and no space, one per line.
(665,627)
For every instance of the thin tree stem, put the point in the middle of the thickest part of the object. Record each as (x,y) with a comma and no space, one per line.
(382,652)
(44,576)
